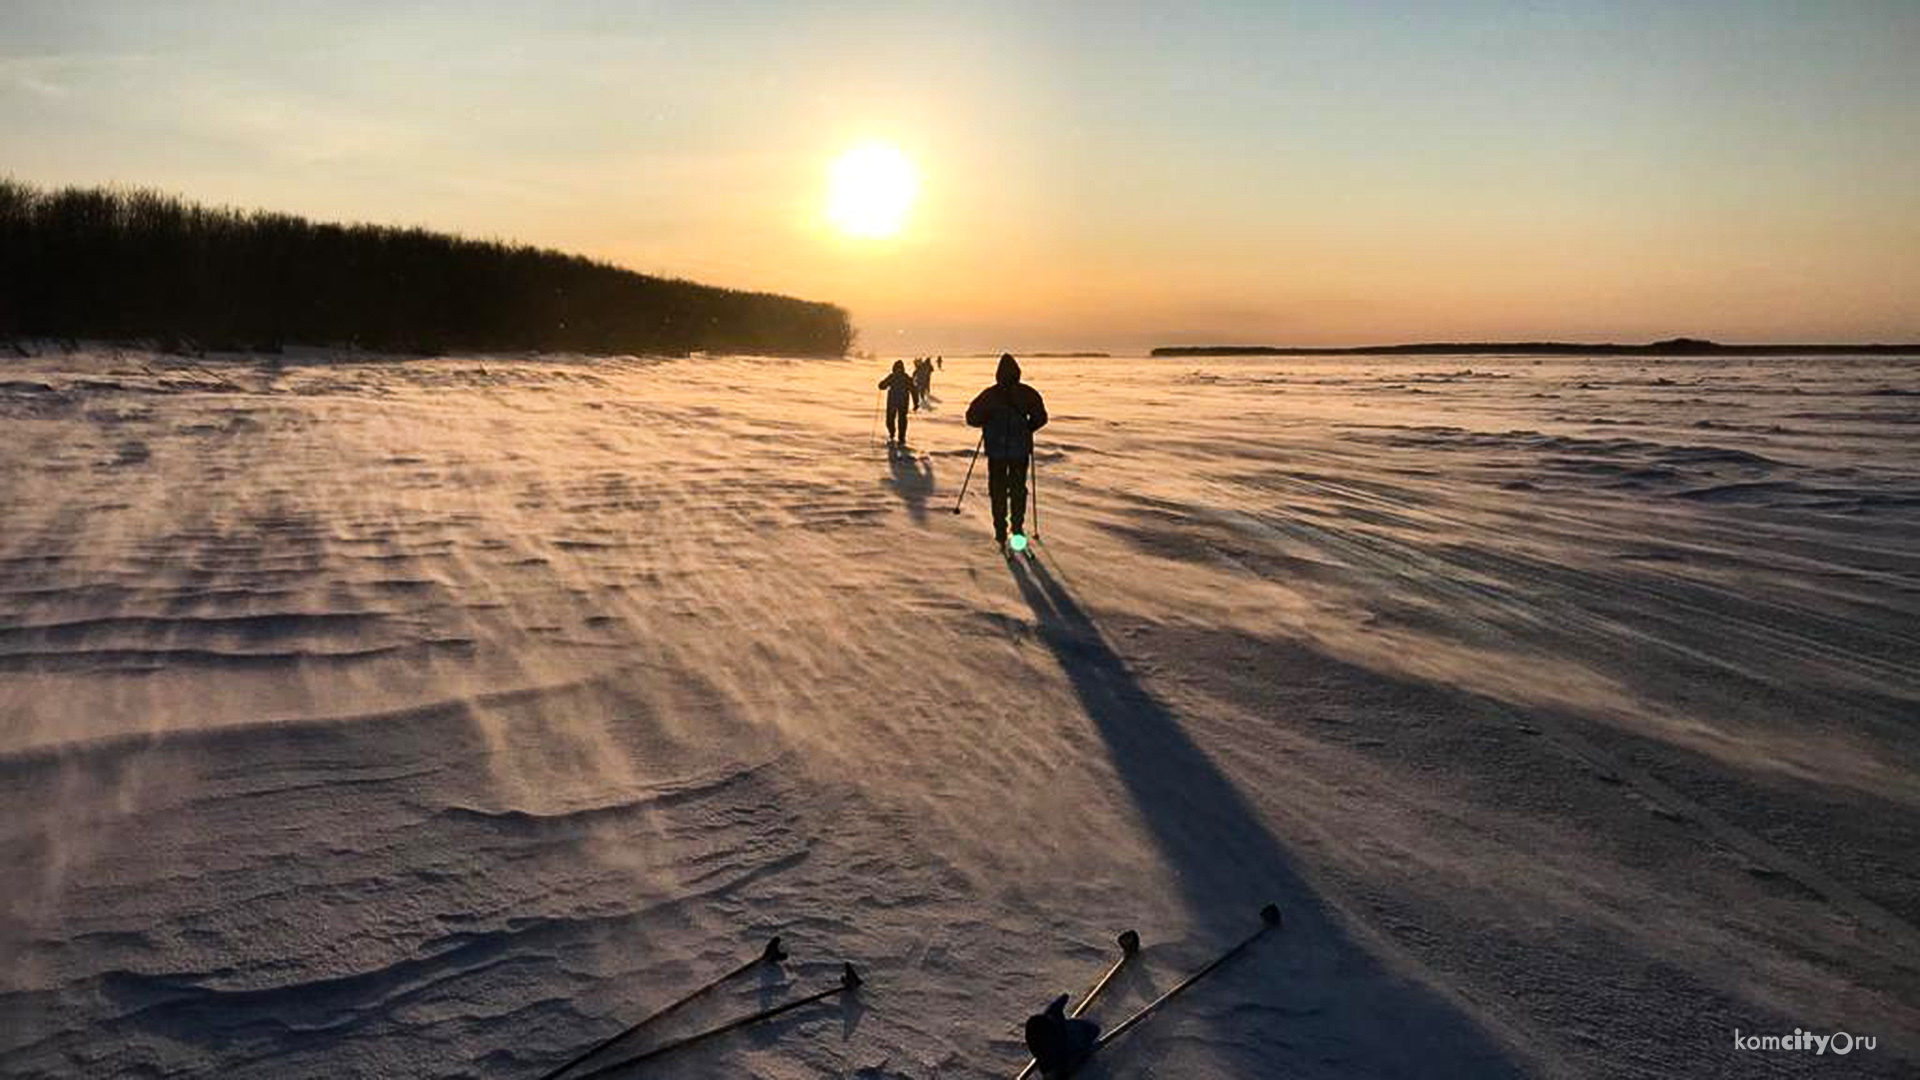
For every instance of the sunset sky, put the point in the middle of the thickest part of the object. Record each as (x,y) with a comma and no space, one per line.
(1089,175)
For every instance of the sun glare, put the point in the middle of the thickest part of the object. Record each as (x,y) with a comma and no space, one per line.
(871,191)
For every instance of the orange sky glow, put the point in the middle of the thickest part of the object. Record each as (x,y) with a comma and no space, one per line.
(1109,176)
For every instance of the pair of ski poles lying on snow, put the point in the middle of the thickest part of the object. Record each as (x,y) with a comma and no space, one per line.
(1033,488)
(771,955)
(850,981)
(1129,942)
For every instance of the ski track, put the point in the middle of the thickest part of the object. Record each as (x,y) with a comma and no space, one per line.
(440,717)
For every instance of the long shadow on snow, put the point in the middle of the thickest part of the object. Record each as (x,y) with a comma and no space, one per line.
(912,478)
(1329,1006)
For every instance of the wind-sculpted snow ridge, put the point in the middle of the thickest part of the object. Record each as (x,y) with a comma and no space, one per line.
(440,718)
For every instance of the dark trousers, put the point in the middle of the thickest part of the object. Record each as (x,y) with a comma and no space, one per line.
(897,420)
(1007,483)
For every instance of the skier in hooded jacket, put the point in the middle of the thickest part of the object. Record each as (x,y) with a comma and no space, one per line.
(899,387)
(1007,414)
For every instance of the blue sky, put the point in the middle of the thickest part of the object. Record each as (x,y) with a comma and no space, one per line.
(1106,175)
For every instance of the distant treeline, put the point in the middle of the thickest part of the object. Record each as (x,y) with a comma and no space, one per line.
(1049,355)
(1670,347)
(142,266)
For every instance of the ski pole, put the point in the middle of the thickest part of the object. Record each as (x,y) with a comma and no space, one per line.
(1033,466)
(849,980)
(772,954)
(970,465)
(873,429)
(1129,945)
(1269,918)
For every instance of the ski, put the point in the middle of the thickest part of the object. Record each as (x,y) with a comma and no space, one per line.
(1129,945)
(1269,919)
(849,981)
(772,954)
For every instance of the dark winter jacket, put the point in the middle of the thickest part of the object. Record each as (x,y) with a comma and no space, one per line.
(898,385)
(1008,413)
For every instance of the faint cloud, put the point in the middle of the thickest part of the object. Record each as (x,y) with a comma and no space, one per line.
(247,117)
(303,133)
(35,75)
(39,87)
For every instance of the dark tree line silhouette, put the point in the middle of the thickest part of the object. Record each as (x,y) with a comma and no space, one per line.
(143,266)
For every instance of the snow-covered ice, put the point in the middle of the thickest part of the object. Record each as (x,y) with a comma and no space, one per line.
(439,717)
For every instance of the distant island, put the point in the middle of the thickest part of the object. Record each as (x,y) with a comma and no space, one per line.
(147,268)
(1680,346)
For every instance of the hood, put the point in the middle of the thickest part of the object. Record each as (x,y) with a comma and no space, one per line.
(1008,372)
(899,365)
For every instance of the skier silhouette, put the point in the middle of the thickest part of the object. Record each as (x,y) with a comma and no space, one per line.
(899,387)
(922,382)
(1007,414)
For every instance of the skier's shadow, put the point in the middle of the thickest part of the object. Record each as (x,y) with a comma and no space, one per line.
(1215,840)
(1228,863)
(911,476)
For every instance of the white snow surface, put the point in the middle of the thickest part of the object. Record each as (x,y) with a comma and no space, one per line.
(437,718)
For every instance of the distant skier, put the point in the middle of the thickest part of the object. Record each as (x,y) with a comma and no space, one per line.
(1008,413)
(899,387)
(922,382)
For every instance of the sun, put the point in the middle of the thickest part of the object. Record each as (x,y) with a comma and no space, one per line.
(870,190)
